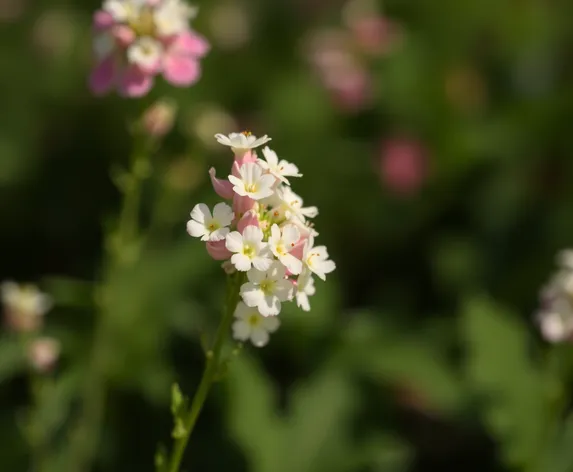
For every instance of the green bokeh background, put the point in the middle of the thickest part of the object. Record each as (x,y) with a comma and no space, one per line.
(420,352)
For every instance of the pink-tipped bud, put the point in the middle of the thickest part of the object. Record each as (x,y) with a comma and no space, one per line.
(158,119)
(242,205)
(223,187)
(403,165)
(43,354)
(249,219)
(218,251)
(102,20)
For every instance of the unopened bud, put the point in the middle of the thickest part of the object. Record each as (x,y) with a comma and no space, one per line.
(158,119)
(43,354)
(24,306)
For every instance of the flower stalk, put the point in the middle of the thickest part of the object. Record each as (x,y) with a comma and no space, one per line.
(212,366)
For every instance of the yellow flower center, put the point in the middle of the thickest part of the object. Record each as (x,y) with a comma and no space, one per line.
(248,251)
(143,25)
(254,320)
(213,226)
(246,133)
(268,287)
(251,188)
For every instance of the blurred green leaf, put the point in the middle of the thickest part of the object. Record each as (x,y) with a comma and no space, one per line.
(252,416)
(500,369)
(12,358)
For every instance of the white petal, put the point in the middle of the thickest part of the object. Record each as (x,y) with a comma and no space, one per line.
(291,235)
(277,271)
(251,294)
(241,330)
(234,242)
(271,157)
(219,234)
(262,263)
(259,337)
(302,301)
(222,139)
(197,230)
(259,142)
(223,213)
(271,323)
(309,212)
(201,213)
(275,235)
(252,234)
(242,311)
(293,264)
(241,262)
(289,169)
(284,290)
(269,305)
(263,192)
(256,276)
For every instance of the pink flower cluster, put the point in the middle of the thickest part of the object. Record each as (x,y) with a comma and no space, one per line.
(137,40)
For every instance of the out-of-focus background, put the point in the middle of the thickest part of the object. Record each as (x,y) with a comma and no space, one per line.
(436,139)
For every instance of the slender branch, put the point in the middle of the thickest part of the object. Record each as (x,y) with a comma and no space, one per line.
(120,252)
(210,372)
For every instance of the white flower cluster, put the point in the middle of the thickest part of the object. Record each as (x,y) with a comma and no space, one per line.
(555,317)
(265,233)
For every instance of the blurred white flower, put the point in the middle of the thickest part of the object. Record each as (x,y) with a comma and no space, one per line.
(251,325)
(241,142)
(555,316)
(24,306)
(209,227)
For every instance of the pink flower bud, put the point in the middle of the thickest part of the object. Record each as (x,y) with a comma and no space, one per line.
(403,165)
(43,354)
(218,251)
(158,119)
(242,205)
(223,187)
(249,219)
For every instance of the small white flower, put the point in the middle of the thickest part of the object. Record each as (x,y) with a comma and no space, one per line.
(282,242)
(249,249)
(252,183)
(304,289)
(241,142)
(287,204)
(145,52)
(316,259)
(210,227)
(251,325)
(280,169)
(124,11)
(25,306)
(266,290)
(171,17)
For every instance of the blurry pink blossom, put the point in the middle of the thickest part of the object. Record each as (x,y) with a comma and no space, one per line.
(43,353)
(340,70)
(403,165)
(136,40)
(375,35)
(158,118)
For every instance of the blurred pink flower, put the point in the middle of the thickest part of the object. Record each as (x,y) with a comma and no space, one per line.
(136,40)
(43,353)
(403,165)
(340,70)
(375,35)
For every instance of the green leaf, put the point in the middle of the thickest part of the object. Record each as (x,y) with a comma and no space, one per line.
(179,429)
(253,420)
(177,399)
(317,428)
(499,369)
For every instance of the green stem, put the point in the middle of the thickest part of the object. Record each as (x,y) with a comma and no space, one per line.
(120,251)
(210,372)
